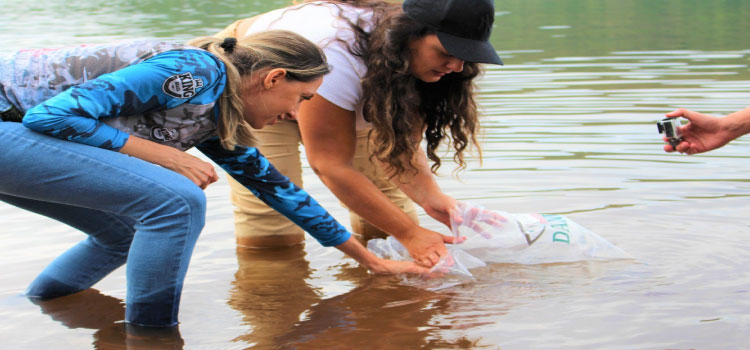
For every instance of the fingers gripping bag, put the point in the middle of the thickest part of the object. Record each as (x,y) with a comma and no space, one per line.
(452,269)
(488,236)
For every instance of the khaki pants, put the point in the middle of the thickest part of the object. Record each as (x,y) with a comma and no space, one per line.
(258,226)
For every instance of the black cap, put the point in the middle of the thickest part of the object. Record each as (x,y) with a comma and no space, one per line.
(463,26)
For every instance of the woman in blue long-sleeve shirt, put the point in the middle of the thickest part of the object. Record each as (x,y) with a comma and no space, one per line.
(101,146)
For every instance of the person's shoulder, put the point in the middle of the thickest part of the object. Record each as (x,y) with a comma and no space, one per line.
(317,21)
(339,15)
(154,50)
(190,57)
(188,72)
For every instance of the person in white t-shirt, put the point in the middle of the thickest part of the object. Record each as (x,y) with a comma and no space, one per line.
(402,76)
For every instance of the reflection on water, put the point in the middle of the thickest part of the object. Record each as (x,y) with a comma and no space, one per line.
(568,129)
(303,318)
(90,309)
(255,293)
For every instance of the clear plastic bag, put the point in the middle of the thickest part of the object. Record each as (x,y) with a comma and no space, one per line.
(528,238)
(501,237)
(451,270)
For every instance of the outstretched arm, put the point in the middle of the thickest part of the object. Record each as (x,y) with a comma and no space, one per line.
(253,170)
(328,132)
(705,133)
(424,190)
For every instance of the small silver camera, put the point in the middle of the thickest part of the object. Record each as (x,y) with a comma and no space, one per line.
(669,127)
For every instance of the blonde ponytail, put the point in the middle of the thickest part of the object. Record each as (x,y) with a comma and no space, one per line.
(303,60)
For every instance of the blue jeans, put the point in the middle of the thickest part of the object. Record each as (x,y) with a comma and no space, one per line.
(130,209)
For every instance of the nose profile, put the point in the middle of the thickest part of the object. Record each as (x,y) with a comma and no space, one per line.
(455,64)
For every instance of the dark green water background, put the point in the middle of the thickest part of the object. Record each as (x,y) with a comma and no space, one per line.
(568,129)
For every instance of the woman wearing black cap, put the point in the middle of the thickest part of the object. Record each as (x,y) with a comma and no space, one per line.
(401,75)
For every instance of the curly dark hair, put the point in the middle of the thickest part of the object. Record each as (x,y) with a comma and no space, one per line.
(402,108)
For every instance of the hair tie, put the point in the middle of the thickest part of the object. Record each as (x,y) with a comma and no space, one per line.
(228,44)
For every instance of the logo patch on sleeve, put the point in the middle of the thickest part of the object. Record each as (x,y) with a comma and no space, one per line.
(164,134)
(181,85)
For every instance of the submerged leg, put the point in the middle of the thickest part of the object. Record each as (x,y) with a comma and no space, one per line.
(166,210)
(87,262)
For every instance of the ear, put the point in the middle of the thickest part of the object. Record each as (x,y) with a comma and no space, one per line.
(274,77)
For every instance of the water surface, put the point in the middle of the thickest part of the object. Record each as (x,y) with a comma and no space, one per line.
(568,129)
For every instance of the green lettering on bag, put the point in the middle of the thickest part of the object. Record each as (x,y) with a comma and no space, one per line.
(556,239)
(558,222)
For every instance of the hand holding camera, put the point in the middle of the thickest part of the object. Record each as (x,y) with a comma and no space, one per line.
(703,133)
(669,127)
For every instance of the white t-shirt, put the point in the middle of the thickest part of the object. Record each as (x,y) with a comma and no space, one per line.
(321,24)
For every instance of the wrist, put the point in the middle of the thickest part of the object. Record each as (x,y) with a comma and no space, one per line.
(374,265)
(406,230)
(737,124)
(424,196)
(438,201)
(358,252)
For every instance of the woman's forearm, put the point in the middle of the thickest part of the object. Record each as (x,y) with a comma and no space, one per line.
(737,123)
(420,186)
(199,172)
(329,134)
(358,252)
(364,198)
(149,151)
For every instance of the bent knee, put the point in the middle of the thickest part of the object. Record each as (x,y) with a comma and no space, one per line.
(195,199)
(185,205)
(195,204)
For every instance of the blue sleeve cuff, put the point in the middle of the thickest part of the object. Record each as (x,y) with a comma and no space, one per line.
(337,240)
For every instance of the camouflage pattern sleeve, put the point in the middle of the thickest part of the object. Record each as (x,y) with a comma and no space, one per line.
(164,81)
(254,171)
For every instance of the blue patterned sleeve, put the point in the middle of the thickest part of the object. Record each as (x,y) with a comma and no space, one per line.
(254,171)
(164,81)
